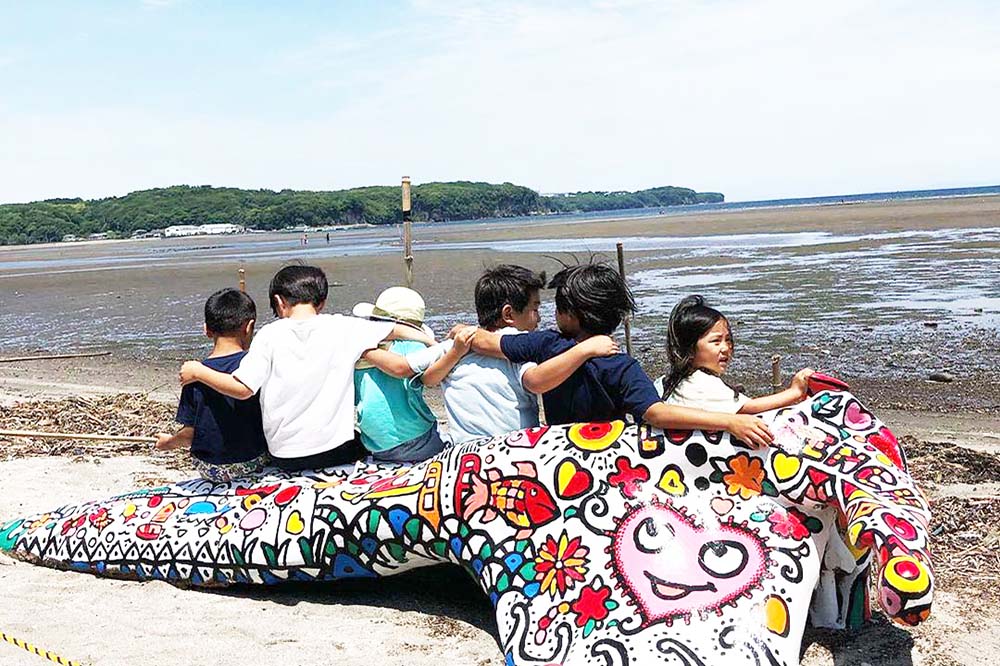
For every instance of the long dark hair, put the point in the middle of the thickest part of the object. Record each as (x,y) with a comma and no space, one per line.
(689,321)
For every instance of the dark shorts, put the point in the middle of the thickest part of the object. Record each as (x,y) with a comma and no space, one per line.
(347,453)
(416,450)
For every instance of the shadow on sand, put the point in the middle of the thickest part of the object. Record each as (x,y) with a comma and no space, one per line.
(879,643)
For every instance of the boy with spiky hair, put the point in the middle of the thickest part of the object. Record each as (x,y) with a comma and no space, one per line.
(592,300)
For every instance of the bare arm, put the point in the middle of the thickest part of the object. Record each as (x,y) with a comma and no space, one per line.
(389,362)
(179,440)
(796,392)
(435,374)
(487,343)
(553,372)
(746,428)
(193,371)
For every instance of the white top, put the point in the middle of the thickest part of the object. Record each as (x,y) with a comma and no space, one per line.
(483,396)
(304,370)
(703,390)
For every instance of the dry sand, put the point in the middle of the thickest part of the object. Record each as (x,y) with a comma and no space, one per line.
(432,614)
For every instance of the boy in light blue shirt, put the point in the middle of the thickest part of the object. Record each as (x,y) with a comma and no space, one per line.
(395,423)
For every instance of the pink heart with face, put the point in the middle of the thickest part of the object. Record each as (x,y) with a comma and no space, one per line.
(670,567)
(855,416)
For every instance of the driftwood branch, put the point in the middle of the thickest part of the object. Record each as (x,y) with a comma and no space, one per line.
(73,435)
(45,357)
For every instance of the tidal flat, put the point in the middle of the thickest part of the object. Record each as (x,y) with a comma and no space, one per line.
(882,294)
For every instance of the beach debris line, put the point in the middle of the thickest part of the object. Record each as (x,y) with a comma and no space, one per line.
(47,357)
(130,417)
(70,435)
(51,656)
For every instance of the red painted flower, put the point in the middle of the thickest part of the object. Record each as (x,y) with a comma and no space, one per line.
(591,605)
(560,564)
(790,525)
(628,478)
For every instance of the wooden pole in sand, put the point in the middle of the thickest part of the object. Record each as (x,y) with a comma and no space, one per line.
(628,324)
(45,357)
(72,435)
(776,373)
(243,279)
(407,233)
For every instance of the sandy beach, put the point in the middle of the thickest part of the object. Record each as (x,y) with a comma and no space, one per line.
(951,430)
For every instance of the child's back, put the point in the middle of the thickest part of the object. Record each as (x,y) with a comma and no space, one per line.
(227,431)
(483,396)
(225,436)
(395,422)
(303,369)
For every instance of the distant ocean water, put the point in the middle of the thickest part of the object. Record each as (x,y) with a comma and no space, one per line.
(868,197)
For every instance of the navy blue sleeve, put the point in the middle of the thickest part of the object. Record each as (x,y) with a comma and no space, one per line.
(637,390)
(187,407)
(534,347)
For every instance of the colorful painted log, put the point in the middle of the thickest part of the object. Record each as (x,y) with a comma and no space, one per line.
(596,543)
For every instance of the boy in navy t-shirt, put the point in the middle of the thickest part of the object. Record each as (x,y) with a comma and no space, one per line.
(593,299)
(225,435)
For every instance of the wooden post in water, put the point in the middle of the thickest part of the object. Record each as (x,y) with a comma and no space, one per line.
(243,279)
(407,233)
(628,324)
(776,373)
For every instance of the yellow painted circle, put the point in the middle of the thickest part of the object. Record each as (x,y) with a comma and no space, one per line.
(595,437)
(907,574)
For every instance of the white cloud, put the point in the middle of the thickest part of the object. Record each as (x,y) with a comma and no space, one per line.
(755,99)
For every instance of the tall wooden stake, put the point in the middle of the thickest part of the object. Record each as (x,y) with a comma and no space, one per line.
(407,233)
(628,324)
(243,279)
(776,373)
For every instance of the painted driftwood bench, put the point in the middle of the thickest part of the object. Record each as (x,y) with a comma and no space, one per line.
(596,543)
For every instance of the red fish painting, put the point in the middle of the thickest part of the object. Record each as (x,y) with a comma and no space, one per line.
(521,500)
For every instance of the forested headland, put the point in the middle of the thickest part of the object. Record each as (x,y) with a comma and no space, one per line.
(149,210)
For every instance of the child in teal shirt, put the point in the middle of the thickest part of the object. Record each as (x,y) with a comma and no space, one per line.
(395,422)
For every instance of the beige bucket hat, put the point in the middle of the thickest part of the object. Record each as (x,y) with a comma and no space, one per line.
(398,304)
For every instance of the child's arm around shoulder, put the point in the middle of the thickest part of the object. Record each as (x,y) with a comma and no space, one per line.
(389,362)
(795,393)
(462,343)
(553,372)
(195,371)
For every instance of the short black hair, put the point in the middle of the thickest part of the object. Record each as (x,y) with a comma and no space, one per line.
(501,285)
(595,294)
(227,311)
(298,284)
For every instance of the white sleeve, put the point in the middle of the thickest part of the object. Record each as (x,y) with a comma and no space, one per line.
(523,368)
(364,334)
(256,365)
(424,358)
(704,391)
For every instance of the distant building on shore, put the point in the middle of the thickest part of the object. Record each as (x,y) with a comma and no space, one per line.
(202,230)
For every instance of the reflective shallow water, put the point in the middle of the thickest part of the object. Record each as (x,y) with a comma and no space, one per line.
(855,302)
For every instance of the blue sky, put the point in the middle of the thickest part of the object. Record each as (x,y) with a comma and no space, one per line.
(757,99)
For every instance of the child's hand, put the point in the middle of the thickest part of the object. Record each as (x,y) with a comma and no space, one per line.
(599,345)
(458,328)
(463,340)
(800,382)
(189,372)
(750,429)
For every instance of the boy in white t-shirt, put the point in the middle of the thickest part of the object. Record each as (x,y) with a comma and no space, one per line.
(303,367)
(486,396)
(699,347)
